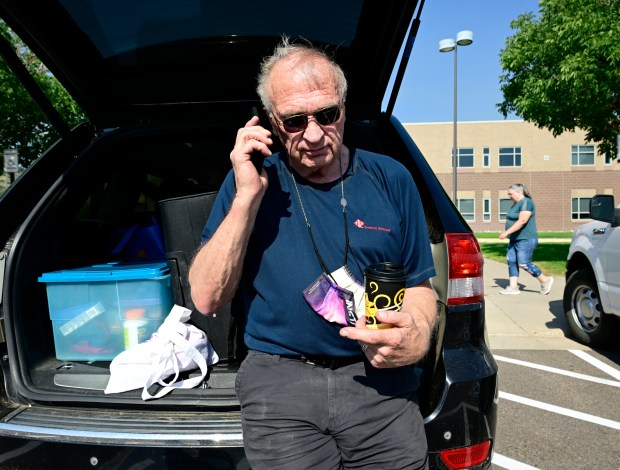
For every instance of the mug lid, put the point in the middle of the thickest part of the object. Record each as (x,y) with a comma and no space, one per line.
(387,271)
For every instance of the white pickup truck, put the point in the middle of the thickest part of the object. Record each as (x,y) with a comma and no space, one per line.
(592,292)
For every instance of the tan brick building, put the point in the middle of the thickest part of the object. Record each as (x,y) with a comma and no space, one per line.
(562,173)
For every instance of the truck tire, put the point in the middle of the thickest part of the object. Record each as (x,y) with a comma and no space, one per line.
(584,313)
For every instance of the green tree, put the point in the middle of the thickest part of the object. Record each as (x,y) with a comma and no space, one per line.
(22,124)
(562,69)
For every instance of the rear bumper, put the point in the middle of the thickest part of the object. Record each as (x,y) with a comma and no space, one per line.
(124,428)
(34,455)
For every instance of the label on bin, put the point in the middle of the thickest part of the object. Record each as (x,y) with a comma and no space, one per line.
(82,319)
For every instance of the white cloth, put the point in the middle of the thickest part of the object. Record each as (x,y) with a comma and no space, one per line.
(175,347)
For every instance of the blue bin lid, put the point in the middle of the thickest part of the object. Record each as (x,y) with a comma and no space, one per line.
(108,272)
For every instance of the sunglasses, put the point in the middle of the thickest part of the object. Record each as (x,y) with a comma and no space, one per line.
(299,122)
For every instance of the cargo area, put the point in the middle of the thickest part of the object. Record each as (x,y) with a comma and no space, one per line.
(94,269)
(136,197)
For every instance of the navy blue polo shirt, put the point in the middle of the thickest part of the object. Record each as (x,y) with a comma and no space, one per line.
(385,222)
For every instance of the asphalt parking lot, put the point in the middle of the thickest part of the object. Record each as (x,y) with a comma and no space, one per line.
(559,405)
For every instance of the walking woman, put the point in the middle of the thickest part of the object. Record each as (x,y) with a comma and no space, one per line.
(523,235)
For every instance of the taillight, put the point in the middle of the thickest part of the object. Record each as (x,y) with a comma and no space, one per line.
(465,274)
(465,457)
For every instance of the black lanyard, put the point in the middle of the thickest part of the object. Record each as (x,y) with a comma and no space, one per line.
(343,202)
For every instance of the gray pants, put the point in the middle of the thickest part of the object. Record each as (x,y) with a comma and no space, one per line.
(299,416)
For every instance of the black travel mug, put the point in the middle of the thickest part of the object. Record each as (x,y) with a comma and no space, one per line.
(384,286)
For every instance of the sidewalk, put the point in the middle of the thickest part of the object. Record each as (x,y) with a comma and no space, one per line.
(528,320)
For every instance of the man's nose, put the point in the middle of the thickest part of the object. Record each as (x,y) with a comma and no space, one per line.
(314,131)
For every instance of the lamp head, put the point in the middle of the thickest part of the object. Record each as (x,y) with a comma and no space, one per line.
(464,38)
(447,45)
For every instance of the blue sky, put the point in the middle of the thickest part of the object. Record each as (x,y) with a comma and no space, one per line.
(426,94)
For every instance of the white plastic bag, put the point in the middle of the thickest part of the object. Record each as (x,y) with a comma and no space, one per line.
(175,347)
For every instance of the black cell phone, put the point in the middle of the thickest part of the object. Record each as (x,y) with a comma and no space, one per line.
(256,157)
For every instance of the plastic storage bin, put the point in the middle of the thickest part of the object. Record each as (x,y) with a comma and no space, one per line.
(92,308)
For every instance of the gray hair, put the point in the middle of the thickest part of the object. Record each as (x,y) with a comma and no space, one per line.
(305,52)
(520,188)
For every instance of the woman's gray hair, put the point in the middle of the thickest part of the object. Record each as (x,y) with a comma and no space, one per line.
(305,51)
(520,188)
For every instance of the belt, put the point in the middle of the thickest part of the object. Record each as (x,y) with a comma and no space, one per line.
(326,362)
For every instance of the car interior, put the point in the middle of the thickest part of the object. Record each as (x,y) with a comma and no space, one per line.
(162,176)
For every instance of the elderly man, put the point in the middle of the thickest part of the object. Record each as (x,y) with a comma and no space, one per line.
(315,393)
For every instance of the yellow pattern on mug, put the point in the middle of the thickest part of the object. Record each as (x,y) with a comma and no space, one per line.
(381,302)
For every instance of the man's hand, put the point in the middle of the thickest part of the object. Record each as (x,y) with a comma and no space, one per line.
(250,138)
(408,340)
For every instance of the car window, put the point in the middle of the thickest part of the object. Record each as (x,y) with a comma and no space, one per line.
(111,25)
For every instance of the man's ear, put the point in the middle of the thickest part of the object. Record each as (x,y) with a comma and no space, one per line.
(274,127)
(268,121)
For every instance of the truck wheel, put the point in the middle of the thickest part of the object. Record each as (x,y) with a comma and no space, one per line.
(582,307)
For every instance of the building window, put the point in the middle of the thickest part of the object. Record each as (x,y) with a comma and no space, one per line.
(504,205)
(465,157)
(608,159)
(582,155)
(486,209)
(580,208)
(466,208)
(486,157)
(509,156)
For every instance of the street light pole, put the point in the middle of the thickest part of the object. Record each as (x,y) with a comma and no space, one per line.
(455,158)
(463,38)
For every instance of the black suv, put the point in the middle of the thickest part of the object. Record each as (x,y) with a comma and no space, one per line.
(165,86)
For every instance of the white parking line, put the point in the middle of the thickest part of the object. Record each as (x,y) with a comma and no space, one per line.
(510,464)
(560,410)
(567,373)
(596,363)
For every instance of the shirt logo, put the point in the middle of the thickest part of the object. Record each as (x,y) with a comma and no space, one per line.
(360,223)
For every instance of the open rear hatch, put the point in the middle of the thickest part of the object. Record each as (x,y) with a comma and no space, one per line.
(133,62)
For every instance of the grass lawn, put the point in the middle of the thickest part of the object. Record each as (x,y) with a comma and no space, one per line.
(541,235)
(550,257)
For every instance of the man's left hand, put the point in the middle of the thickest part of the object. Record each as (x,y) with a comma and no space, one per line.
(408,339)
